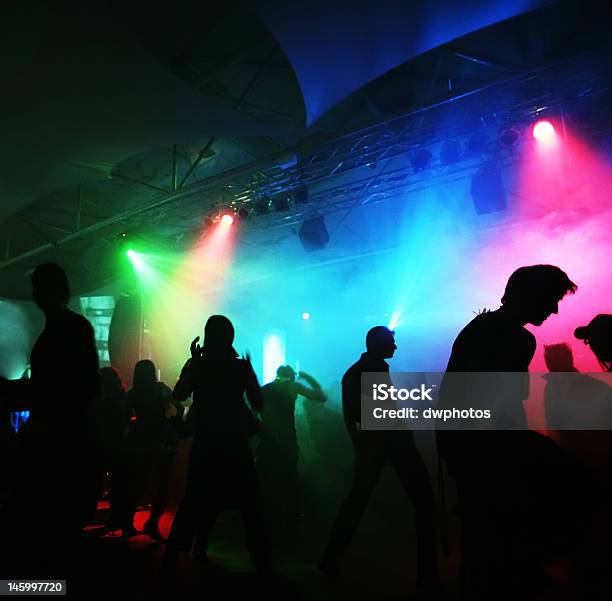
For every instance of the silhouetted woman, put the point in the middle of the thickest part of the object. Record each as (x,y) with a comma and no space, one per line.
(111,421)
(152,443)
(221,471)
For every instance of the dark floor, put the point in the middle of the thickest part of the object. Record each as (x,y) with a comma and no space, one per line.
(380,565)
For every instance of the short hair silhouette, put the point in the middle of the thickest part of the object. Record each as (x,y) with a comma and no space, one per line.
(377,337)
(598,335)
(50,284)
(537,280)
(218,332)
(286,372)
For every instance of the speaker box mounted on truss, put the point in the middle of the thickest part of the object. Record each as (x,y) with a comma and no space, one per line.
(488,192)
(313,234)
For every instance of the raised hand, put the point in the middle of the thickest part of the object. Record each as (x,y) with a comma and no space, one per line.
(195,348)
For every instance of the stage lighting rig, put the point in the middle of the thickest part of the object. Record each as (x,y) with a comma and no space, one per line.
(262,205)
(509,136)
(301,195)
(281,203)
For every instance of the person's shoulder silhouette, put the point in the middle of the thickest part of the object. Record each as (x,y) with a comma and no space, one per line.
(64,358)
(491,343)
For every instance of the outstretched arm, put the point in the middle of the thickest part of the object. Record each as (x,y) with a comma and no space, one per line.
(313,391)
(184,386)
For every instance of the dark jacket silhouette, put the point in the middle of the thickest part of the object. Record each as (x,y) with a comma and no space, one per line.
(374,450)
(221,471)
(53,489)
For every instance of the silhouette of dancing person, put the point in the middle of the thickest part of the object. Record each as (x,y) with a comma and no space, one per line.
(594,571)
(598,335)
(579,408)
(221,472)
(374,450)
(48,504)
(278,451)
(493,469)
(152,444)
(110,419)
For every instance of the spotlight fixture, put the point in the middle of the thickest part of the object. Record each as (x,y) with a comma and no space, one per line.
(243,213)
(300,195)
(543,131)
(509,137)
(450,153)
(421,160)
(262,206)
(227,219)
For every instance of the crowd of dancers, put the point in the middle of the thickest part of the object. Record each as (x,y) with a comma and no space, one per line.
(523,499)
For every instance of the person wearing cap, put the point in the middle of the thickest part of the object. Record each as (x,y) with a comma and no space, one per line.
(598,335)
(373,451)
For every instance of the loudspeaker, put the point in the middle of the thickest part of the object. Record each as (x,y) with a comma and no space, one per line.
(488,192)
(313,234)
(124,336)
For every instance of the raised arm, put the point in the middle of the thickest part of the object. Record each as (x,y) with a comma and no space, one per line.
(313,391)
(186,382)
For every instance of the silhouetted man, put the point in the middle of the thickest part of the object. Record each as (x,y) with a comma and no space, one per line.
(277,453)
(374,450)
(51,494)
(492,468)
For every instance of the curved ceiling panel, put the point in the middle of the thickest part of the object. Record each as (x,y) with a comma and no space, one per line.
(337,47)
(81,94)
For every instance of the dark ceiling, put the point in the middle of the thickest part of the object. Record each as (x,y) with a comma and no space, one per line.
(130,117)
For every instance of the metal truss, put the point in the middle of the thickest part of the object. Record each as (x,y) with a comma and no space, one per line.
(365,165)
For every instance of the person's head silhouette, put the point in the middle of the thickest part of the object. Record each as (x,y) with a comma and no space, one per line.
(110,382)
(218,336)
(285,373)
(380,342)
(50,289)
(533,293)
(144,374)
(598,335)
